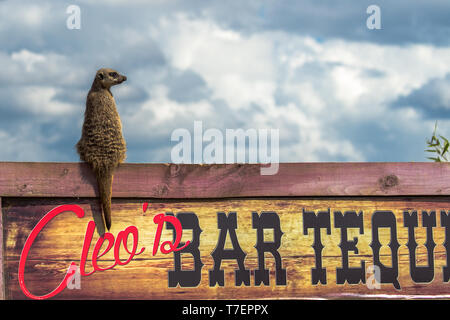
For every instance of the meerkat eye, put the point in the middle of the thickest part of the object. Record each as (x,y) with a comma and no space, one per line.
(113,74)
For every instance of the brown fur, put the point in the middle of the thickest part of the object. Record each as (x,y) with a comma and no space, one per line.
(102,144)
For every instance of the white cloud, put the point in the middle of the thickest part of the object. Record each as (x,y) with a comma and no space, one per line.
(34,15)
(40,100)
(36,79)
(160,111)
(27,14)
(126,3)
(24,145)
(240,69)
(246,70)
(27,67)
(27,58)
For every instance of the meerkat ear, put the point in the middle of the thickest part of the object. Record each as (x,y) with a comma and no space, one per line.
(100,76)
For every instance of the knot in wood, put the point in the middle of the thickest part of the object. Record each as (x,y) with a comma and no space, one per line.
(388,181)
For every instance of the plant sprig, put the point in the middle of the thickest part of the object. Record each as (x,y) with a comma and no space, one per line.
(439,145)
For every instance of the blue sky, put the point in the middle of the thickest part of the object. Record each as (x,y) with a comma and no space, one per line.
(336,90)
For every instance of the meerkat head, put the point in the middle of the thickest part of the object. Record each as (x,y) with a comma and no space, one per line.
(108,77)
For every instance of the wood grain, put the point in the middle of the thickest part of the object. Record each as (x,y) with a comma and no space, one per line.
(2,284)
(146,277)
(174,181)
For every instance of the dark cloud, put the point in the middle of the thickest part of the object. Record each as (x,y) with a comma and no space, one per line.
(373,73)
(402,21)
(432,100)
(187,86)
(74,96)
(155,145)
(385,140)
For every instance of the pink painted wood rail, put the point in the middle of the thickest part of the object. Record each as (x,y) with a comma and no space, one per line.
(165,181)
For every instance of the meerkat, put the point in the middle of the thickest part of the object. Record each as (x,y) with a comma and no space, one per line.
(102,144)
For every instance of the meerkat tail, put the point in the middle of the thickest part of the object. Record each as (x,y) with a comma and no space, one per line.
(104,180)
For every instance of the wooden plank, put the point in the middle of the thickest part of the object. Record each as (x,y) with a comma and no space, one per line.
(166,181)
(146,277)
(2,282)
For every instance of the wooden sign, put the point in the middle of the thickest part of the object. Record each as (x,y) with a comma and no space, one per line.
(314,230)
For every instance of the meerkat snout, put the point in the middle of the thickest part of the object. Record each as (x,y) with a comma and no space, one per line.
(109,77)
(121,78)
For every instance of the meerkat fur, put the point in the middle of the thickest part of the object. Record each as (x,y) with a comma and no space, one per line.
(102,144)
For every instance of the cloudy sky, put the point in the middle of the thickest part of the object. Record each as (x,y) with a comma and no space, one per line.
(334,89)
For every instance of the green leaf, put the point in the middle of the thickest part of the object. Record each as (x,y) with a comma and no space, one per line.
(439,145)
(433,144)
(445,148)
